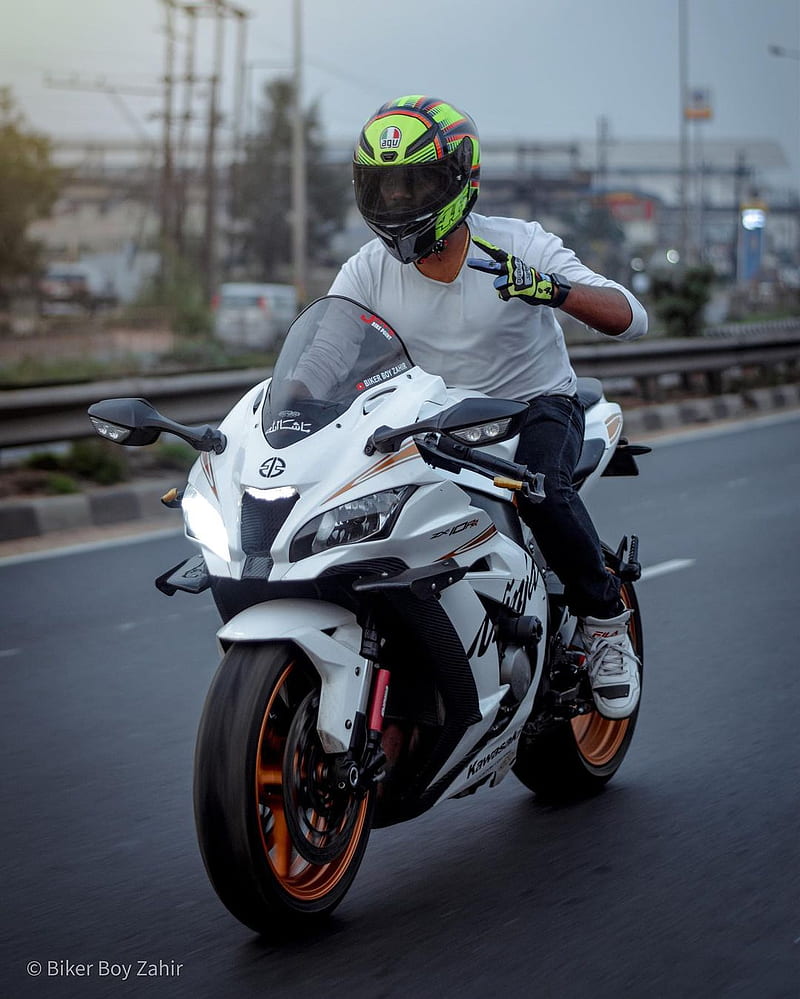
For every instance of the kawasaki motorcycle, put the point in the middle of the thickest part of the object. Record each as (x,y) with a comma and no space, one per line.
(391,634)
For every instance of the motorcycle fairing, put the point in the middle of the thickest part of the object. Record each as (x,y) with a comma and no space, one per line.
(440,522)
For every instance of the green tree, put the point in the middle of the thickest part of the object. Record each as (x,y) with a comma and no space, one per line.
(679,297)
(264,194)
(29,184)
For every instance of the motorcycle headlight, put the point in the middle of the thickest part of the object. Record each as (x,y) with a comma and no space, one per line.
(204,523)
(365,519)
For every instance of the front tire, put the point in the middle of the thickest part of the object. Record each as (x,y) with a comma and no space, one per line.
(277,836)
(576,759)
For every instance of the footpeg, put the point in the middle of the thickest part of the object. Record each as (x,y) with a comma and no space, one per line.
(568,692)
(628,570)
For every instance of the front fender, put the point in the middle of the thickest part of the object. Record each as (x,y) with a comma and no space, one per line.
(331,639)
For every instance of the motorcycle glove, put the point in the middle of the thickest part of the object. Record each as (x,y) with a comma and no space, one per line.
(516,279)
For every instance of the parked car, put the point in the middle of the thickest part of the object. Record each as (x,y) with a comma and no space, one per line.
(254,315)
(74,288)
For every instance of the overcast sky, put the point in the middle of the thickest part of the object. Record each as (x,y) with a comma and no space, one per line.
(524,69)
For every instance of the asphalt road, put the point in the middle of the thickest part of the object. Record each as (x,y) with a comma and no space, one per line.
(681,880)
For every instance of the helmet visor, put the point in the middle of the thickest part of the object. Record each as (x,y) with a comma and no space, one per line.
(397,193)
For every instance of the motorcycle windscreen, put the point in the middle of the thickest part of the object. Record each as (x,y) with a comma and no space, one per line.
(334,351)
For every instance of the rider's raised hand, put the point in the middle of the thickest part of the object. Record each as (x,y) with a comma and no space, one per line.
(516,279)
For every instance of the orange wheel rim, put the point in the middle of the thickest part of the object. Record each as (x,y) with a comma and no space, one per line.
(297,876)
(599,739)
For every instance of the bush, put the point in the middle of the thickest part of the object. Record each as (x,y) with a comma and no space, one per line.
(59,484)
(679,297)
(97,461)
(179,293)
(43,461)
(173,456)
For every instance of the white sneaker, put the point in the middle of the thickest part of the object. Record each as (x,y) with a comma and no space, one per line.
(613,666)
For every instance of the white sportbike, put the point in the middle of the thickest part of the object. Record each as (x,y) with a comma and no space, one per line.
(392,636)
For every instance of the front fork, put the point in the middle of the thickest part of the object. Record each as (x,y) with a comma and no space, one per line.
(361,769)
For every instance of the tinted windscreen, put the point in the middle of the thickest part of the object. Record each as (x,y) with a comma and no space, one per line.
(335,350)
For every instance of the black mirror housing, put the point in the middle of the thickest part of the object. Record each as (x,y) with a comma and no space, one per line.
(136,423)
(125,421)
(460,417)
(472,412)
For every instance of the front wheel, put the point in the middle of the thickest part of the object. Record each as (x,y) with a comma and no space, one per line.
(277,834)
(577,758)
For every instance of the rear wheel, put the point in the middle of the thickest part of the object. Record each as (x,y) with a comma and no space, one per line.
(577,758)
(278,836)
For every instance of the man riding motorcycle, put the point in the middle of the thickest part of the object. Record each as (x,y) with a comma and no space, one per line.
(416,171)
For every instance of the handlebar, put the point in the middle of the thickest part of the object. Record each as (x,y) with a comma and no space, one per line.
(441,451)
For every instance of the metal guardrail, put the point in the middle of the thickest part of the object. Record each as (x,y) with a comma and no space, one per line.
(764,347)
(45,415)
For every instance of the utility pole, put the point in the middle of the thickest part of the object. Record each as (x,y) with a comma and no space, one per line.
(299,206)
(183,168)
(167,164)
(239,82)
(211,207)
(603,142)
(239,125)
(174,148)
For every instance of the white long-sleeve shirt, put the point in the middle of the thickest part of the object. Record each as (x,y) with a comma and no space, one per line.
(462,330)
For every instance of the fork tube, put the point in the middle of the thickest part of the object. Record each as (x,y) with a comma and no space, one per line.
(377,700)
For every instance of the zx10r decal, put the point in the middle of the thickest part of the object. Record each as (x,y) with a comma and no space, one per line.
(455,530)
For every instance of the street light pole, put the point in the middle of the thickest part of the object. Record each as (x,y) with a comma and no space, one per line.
(683,61)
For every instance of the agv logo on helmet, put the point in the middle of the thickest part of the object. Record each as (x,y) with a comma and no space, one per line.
(390,138)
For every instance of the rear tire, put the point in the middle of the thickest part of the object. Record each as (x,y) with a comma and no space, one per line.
(576,759)
(278,838)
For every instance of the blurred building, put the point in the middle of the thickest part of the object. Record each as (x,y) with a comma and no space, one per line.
(617,200)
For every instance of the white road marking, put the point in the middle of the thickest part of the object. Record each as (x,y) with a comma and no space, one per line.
(5,653)
(662,568)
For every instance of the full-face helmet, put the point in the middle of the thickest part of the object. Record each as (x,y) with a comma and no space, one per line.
(416,171)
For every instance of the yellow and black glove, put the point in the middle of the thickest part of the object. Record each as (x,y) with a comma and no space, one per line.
(516,279)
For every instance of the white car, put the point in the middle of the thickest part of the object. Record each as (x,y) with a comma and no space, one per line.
(254,315)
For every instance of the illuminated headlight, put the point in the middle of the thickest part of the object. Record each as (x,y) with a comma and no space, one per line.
(366,519)
(482,433)
(204,523)
(110,430)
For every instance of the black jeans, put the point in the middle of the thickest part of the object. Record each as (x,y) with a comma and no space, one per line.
(551,442)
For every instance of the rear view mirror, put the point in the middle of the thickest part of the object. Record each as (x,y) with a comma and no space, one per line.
(476,422)
(125,421)
(136,423)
